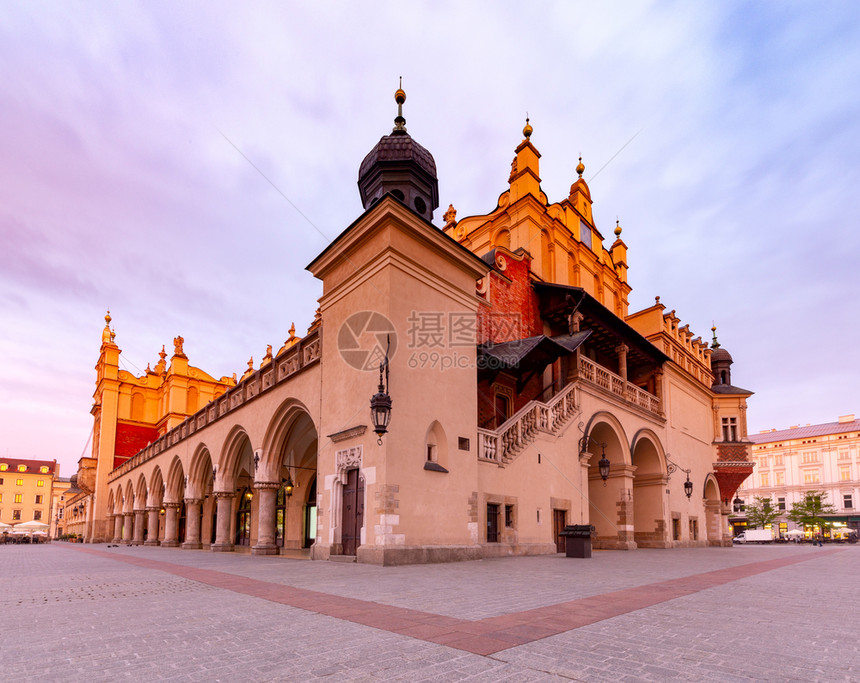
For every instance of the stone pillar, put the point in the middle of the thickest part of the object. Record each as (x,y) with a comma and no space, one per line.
(128,526)
(151,526)
(171,525)
(267,493)
(622,350)
(117,528)
(658,388)
(137,539)
(224,502)
(192,524)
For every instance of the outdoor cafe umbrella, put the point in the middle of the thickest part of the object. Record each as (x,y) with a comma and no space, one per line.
(32,526)
(794,532)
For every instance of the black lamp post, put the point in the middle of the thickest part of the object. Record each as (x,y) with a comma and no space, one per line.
(380,404)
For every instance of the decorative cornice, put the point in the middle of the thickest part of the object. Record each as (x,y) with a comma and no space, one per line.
(350,433)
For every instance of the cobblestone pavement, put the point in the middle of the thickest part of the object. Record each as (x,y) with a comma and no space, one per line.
(94,613)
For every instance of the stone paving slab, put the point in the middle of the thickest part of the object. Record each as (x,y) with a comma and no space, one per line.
(735,614)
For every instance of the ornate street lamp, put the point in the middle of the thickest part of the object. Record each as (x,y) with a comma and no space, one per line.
(603,464)
(288,485)
(688,487)
(738,505)
(671,467)
(380,404)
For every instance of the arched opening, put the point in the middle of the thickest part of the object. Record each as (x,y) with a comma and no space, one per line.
(649,485)
(610,502)
(310,532)
(298,467)
(435,448)
(713,513)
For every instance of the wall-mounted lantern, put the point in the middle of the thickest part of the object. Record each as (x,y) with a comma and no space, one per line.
(380,404)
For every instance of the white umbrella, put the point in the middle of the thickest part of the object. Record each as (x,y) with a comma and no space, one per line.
(32,526)
(4,526)
(794,532)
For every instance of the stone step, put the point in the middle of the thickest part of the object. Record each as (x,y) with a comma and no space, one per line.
(341,558)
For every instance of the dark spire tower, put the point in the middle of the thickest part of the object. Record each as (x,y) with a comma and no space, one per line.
(399,165)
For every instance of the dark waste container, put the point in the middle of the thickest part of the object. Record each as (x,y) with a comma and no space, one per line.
(577,541)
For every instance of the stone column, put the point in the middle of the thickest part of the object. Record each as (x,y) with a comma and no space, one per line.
(224,503)
(622,350)
(151,526)
(658,387)
(128,526)
(137,539)
(192,524)
(171,526)
(267,493)
(117,528)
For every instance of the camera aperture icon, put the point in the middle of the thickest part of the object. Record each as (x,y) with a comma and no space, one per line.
(363,339)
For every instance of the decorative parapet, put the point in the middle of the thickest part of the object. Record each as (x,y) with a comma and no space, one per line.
(503,444)
(593,373)
(288,363)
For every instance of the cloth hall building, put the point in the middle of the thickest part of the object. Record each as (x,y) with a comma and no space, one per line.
(513,371)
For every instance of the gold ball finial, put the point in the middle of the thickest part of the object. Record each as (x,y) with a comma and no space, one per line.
(108,318)
(400,95)
(580,167)
(527,131)
(617,228)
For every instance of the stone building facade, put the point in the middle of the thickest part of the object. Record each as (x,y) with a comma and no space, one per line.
(514,369)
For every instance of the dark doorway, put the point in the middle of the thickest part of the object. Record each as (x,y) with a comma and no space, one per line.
(180,525)
(492,523)
(280,516)
(311,516)
(353,512)
(243,519)
(559,521)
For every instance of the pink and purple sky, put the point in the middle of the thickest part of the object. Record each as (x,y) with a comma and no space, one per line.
(121,186)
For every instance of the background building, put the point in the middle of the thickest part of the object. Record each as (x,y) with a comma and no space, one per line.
(790,462)
(26,490)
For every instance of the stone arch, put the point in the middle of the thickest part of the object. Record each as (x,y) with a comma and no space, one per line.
(610,502)
(111,502)
(156,489)
(174,490)
(140,493)
(128,498)
(200,478)
(435,446)
(713,512)
(237,454)
(282,427)
(649,485)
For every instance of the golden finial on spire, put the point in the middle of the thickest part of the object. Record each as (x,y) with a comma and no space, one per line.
(617,228)
(715,344)
(107,335)
(108,318)
(580,167)
(527,131)
(400,98)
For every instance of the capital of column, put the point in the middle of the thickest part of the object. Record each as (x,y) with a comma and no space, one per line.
(263,485)
(151,508)
(173,505)
(192,501)
(622,348)
(224,494)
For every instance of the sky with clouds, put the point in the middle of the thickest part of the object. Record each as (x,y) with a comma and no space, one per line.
(724,136)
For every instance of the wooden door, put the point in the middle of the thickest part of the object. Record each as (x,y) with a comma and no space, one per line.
(559,521)
(353,512)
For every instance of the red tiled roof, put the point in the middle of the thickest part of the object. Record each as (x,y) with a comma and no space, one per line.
(810,430)
(32,465)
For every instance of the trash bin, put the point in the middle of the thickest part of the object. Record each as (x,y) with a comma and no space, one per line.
(577,541)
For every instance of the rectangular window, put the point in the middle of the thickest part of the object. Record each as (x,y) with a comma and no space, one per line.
(778,460)
(40,482)
(37,514)
(809,456)
(811,478)
(1,497)
(765,479)
(431,452)
(19,482)
(843,455)
(844,473)
(585,233)
(19,498)
(492,523)
(16,515)
(38,500)
(694,529)
(780,478)
(780,503)
(463,443)
(60,513)
(676,529)
(847,501)
(509,516)
(730,429)
(1,481)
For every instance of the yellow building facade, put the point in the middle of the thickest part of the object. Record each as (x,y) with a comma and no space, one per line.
(524,397)
(26,490)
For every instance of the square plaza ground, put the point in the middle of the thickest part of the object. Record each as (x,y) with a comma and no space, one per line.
(75,612)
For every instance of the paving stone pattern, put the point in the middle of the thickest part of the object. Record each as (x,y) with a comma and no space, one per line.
(76,612)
